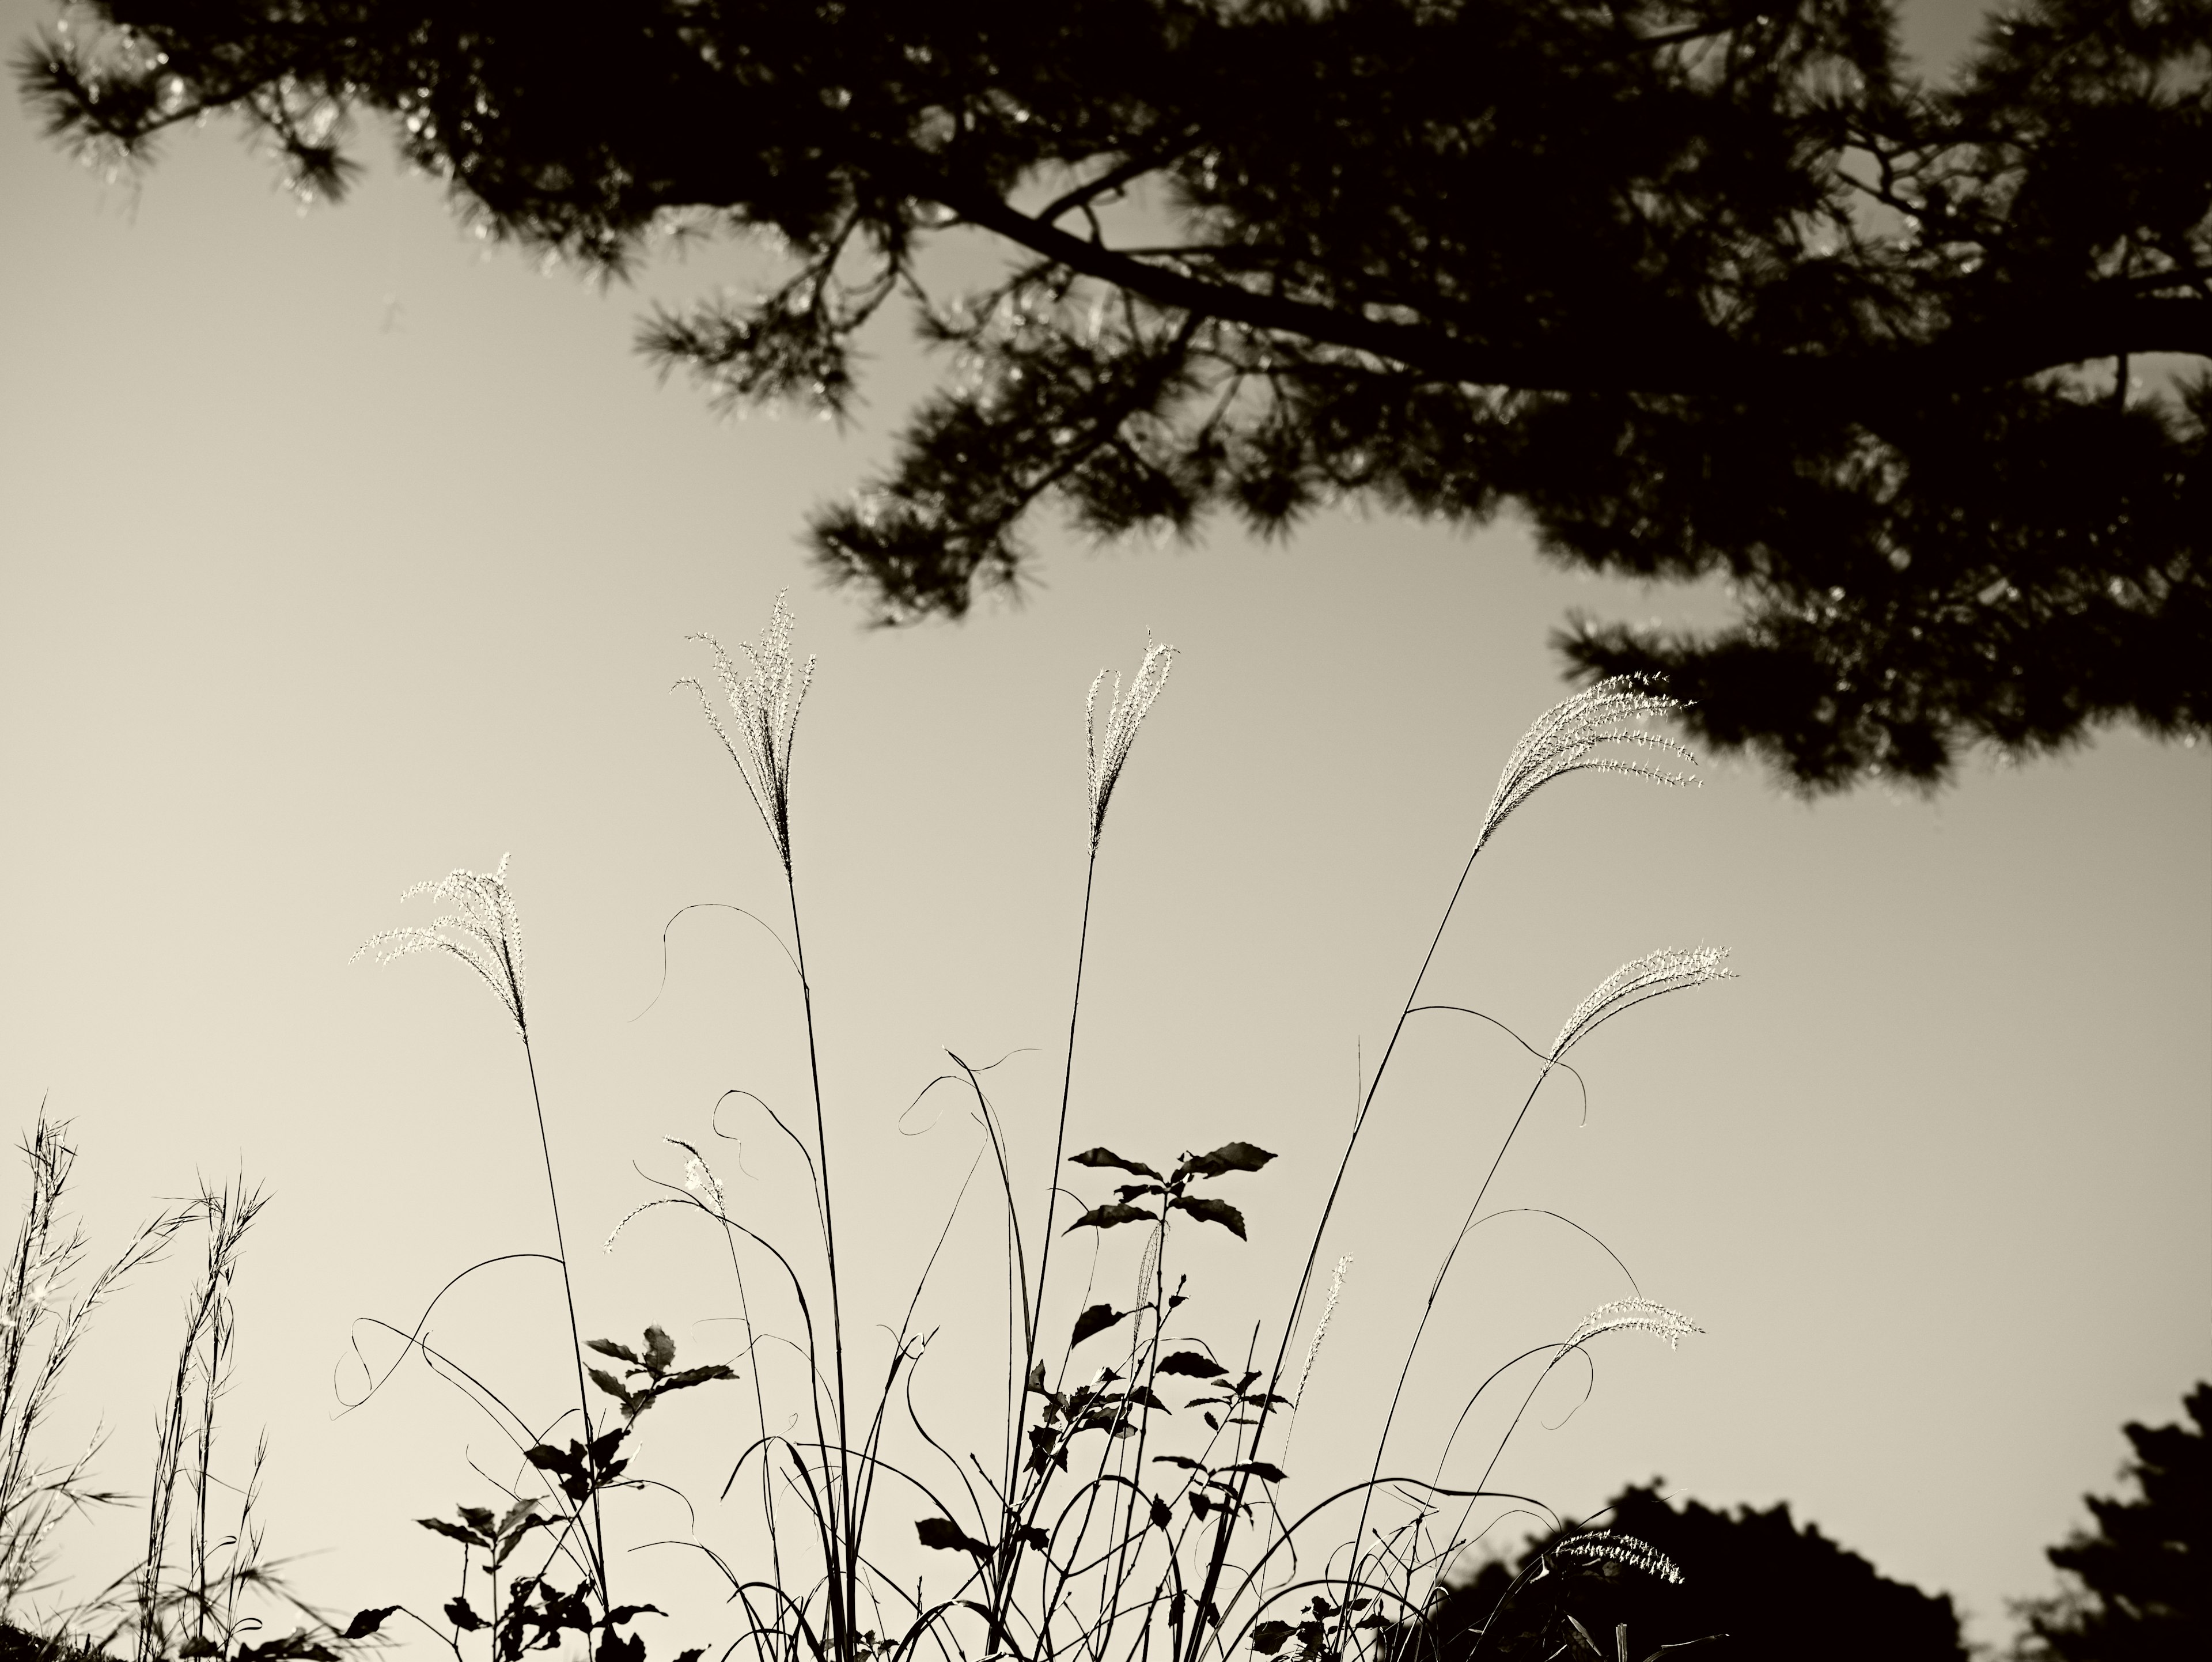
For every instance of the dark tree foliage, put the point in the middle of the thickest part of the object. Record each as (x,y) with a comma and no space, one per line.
(1706,288)
(2144,1581)
(1774,1590)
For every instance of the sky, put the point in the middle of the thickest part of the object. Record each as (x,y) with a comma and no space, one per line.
(340,551)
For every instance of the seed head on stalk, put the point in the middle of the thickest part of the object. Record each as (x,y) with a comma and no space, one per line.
(1109,751)
(764,704)
(1670,970)
(1572,737)
(486,935)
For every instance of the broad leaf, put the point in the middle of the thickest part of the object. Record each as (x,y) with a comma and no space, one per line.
(1268,1637)
(1163,1515)
(948,1536)
(1105,1217)
(619,1352)
(1229,1157)
(1259,1469)
(367,1622)
(629,1613)
(691,1376)
(458,1613)
(1177,1460)
(660,1349)
(1030,1536)
(608,1382)
(459,1532)
(1212,1211)
(1107,1157)
(1097,1319)
(1191,1363)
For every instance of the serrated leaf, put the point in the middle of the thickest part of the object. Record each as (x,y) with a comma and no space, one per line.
(1229,1157)
(660,1349)
(1262,1470)
(1107,1157)
(1097,1319)
(1030,1536)
(1129,1191)
(367,1622)
(1212,1211)
(480,1519)
(1036,1378)
(1192,1364)
(1177,1460)
(683,1379)
(629,1613)
(1105,1217)
(459,1532)
(1268,1637)
(608,1382)
(621,1353)
(1141,1397)
(946,1536)
(458,1613)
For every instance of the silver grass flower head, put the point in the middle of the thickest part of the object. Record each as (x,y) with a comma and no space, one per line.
(1109,750)
(1669,970)
(702,1188)
(1622,1549)
(1574,736)
(481,931)
(1634,1315)
(764,704)
(1321,1328)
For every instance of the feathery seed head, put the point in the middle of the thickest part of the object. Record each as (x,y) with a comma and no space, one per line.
(1321,1328)
(1109,750)
(1570,737)
(1633,1315)
(1622,1549)
(764,707)
(485,934)
(1670,970)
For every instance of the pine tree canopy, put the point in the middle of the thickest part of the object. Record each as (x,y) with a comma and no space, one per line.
(1704,289)
(2141,1591)
(1745,1587)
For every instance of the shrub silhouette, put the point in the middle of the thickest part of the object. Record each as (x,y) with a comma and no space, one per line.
(1772,1588)
(2139,1582)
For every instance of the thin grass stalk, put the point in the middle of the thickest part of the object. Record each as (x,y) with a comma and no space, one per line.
(1219,1559)
(227,1214)
(844,1572)
(598,1544)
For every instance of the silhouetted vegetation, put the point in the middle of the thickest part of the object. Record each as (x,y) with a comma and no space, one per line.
(1706,288)
(2139,1586)
(1752,1584)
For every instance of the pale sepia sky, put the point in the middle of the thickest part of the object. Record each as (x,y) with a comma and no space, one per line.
(338,551)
